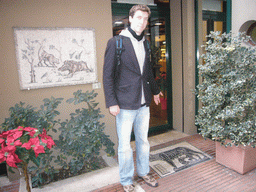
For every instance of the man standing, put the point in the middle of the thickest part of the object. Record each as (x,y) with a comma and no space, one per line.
(128,93)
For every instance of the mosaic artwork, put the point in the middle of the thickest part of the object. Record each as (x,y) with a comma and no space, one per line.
(176,158)
(49,57)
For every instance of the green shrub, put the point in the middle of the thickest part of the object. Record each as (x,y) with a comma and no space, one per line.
(82,136)
(80,139)
(28,116)
(228,90)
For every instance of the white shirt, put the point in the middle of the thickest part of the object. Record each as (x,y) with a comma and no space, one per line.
(140,54)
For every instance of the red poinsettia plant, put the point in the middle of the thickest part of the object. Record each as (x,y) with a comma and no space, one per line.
(20,145)
(23,144)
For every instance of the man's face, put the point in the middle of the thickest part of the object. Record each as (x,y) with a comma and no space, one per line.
(139,21)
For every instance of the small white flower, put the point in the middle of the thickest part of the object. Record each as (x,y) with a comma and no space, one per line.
(230,48)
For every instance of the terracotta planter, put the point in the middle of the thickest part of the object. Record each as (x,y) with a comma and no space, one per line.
(163,102)
(240,159)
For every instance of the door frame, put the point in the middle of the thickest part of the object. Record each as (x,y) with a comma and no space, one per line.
(156,11)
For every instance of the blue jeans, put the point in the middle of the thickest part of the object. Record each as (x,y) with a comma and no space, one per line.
(125,121)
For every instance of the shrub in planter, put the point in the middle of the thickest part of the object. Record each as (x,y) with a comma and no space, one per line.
(82,136)
(28,116)
(43,119)
(228,90)
(80,139)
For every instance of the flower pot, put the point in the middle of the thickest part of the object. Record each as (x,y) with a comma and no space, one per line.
(163,102)
(15,175)
(241,159)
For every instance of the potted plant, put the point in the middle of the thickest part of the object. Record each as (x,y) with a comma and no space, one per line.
(228,97)
(81,138)
(28,116)
(22,145)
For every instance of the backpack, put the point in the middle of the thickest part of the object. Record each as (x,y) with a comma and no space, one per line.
(119,49)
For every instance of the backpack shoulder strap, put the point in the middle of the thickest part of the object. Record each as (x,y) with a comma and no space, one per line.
(119,48)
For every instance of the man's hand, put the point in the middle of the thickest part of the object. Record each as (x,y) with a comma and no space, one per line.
(157,98)
(114,110)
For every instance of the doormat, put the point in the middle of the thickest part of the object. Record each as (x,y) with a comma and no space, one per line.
(176,158)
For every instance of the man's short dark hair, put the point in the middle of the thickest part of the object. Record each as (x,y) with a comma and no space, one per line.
(143,8)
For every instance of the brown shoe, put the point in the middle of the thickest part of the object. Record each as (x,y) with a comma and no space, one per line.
(150,180)
(129,188)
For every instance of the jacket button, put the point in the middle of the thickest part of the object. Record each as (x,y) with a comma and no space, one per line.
(147,82)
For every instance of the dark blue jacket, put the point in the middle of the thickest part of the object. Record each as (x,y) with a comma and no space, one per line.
(126,90)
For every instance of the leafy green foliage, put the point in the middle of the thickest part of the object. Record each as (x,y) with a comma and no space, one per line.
(28,116)
(80,140)
(228,90)
(82,136)
(44,172)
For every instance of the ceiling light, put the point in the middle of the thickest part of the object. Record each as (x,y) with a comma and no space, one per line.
(118,22)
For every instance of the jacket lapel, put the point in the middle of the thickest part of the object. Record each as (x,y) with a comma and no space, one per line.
(131,54)
(147,56)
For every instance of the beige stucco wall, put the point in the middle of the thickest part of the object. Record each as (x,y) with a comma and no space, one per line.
(176,58)
(242,11)
(189,66)
(51,13)
(183,65)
